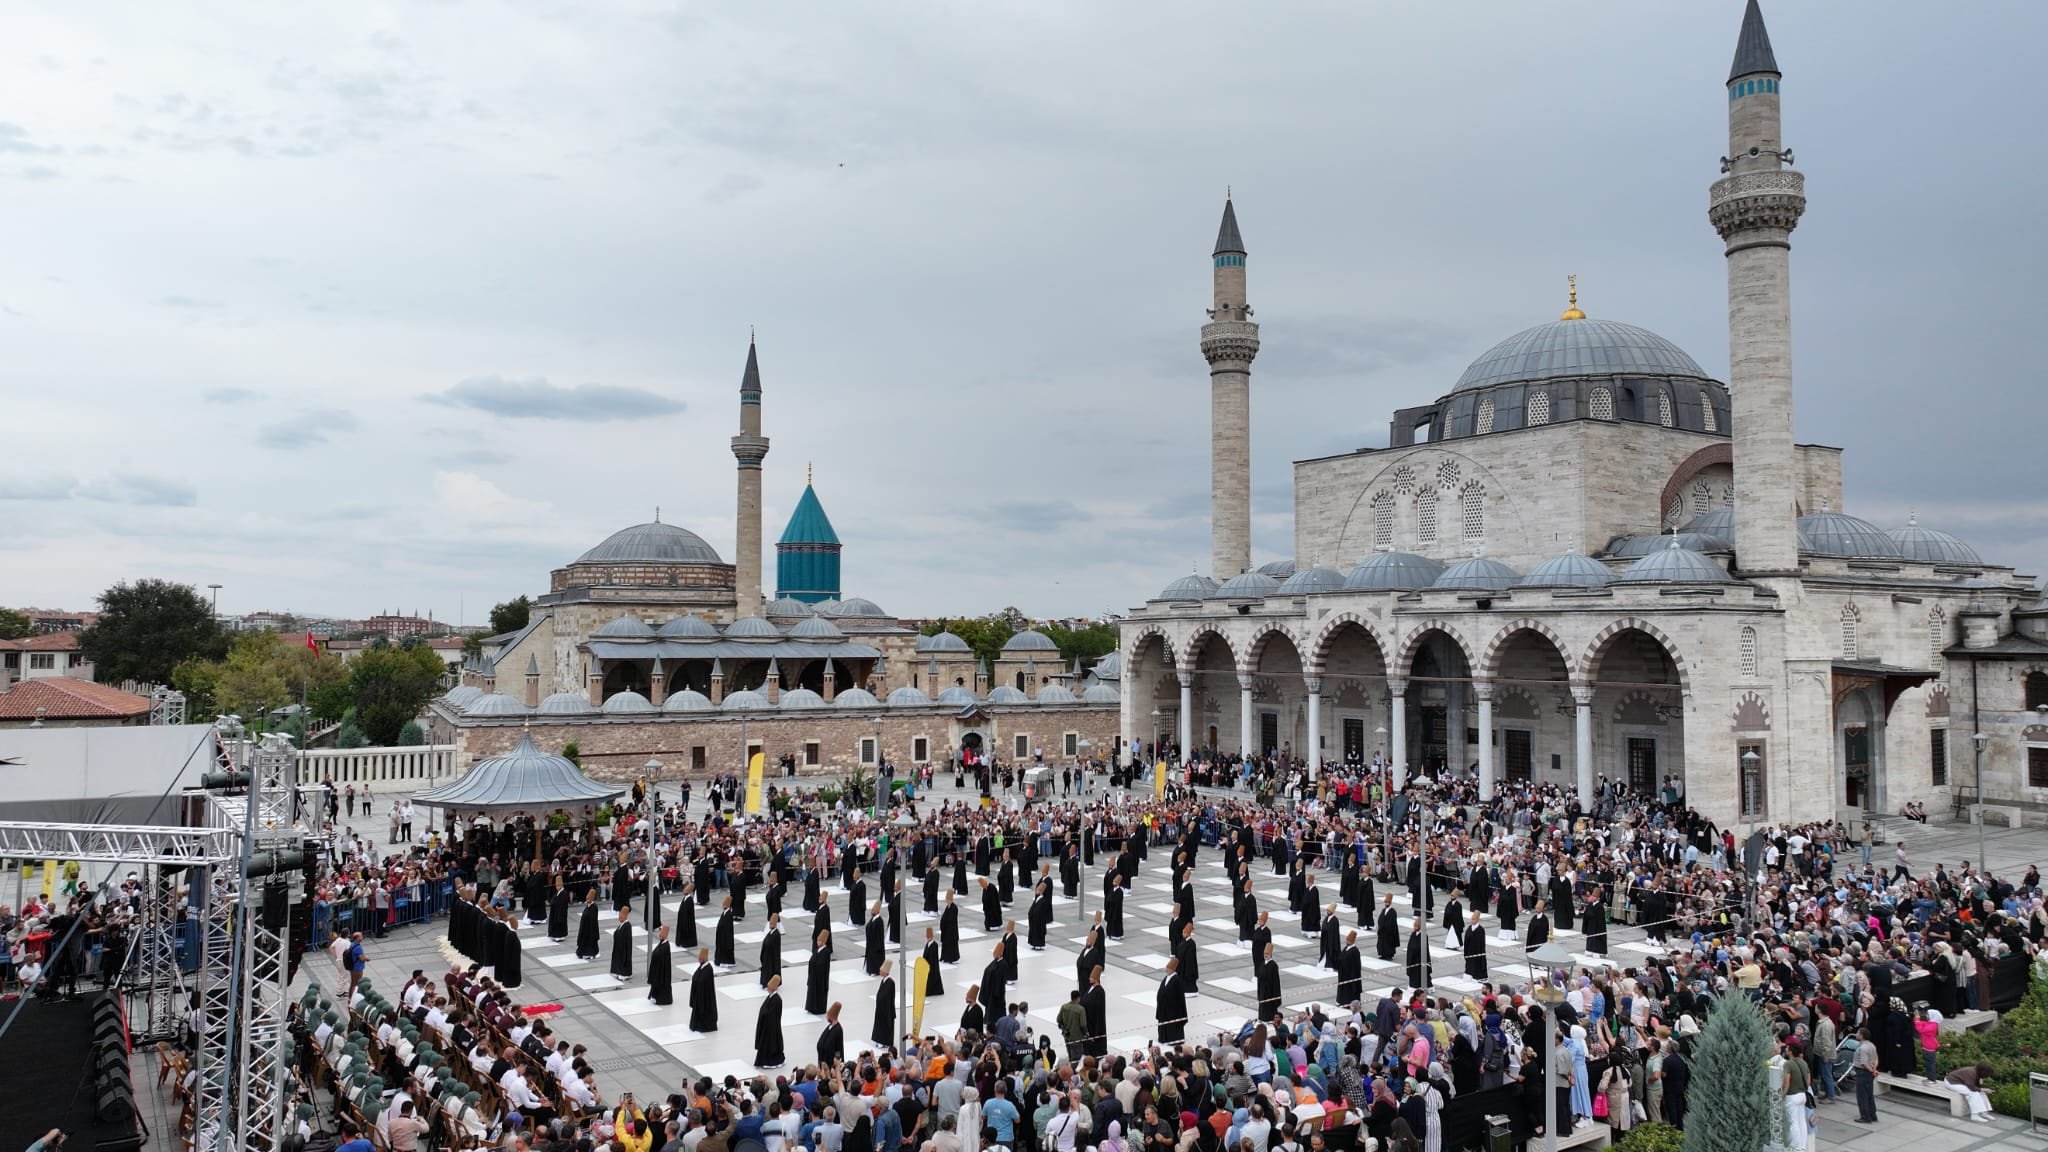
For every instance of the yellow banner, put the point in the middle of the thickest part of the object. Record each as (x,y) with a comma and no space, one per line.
(922,974)
(754,765)
(1159,780)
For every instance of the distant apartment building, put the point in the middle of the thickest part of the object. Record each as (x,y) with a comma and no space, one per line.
(48,620)
(45,656)
(399,627)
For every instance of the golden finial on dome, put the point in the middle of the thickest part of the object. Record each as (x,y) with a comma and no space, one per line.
(1571,311)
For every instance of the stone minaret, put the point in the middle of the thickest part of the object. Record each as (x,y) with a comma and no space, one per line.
(1229,341)
(749,448)
(1754,208)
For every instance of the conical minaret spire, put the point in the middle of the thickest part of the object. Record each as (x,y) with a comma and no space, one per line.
(1754,206)
(1229,342)
(749,448)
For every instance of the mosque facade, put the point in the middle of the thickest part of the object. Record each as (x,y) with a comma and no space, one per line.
(649,646)
(1591,561)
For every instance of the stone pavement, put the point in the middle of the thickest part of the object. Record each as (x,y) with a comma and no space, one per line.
(647,1049)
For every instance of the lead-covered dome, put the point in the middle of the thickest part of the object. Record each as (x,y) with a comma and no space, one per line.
(958,697)
(495,704)
(1929,546)
(1250,584)
(1826,533)
(565,704)
(1716,522)
(1570,570)
(1190,587)
(1054,694)
(1479,574)
(626,703)
(1568,348)
(802,698)
(752,628)
(856,697)
(1676,565)
(942,642)
(1636,547)
(1007,694)
(655,543)
(1393,572)
(1314,578)
(687,700)
(1100,694)
(1030,640)
(624,628)
(782,607)
(687,628)
(908,697)
(817,628)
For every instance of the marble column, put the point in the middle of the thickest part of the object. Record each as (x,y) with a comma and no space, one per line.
(1483,692)
(1187,714)
(1314,686)
(1247,744)
(1582,696)
(1397,726)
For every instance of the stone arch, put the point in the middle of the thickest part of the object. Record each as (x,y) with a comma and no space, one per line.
(1516,703)
(1412,643)
(1637,707)
(1257,645)
(1193,644)
(1937,699)
(1589,663)
(1319,648)
(1692,466)
(1752,713)
(1488,666)
(1148,632)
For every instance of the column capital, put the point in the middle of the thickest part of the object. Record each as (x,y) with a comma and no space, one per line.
(1582,695)
(1397,687)
(1482,690)
(1187,679)
(1244,682)
(1313,685)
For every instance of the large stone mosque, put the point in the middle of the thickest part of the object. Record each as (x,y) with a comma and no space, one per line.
(1589,561)
(649,646)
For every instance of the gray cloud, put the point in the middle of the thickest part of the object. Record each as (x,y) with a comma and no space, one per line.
(1033,515)
(38,173)
(14,138)
(311,426)
(474,457)
(535,398)
(228,395)
(120,488)
(179,300)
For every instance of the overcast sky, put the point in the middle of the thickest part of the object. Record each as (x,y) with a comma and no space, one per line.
(351,307)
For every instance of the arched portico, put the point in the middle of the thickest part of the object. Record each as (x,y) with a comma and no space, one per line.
(1209,679)
(1635,690)
(1150,690)
(1529,659)
(1429,703)
(1347,670)
(1274,701)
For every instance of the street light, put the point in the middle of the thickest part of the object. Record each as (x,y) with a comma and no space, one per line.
(216,600)
(900,829)
(1553,960)
(1386,824)
(1422,873)
(1980,740)
(1156,716)
(879,760)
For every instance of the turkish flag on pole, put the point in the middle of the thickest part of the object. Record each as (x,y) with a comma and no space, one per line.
(310,645)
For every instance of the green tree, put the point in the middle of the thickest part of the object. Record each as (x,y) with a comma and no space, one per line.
(251,679)
(197,680)
(349,736)
(1730,1072)
(146,629)
(411,735)
(14,625)
(572,753)
(1088,643)
(511,616)
(390,686)
(985,634)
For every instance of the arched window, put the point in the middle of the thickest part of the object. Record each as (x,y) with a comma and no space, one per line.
(1472,512)
(1602,407)
(1937,637)
(1425,516)
(1702,498)
(1849,621)
(1707,420)
(2037,689)
(1383,521)
(1675,515)
(1748,653)
(1539,409)
(1484,423)
(1664,409)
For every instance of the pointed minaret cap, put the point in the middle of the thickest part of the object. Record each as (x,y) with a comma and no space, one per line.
(750,380)
(532,664)
(1753,46)
(1227,239)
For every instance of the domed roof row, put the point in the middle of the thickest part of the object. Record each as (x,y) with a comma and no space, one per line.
(1408,572)
(751,700)
(815,628)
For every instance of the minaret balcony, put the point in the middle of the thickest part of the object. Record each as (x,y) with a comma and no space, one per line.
(1757,201)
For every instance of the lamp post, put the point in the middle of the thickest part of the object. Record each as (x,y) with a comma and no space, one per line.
(1553,960)
(1422,873)
(1749,811)
(1980,740)
(1156,716)
(901,828)
(215,607)
(880,760)
(1386,823)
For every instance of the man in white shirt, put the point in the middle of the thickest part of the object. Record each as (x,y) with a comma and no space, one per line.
(520,1032)
(415,993)
(437,1017)
(582,1093)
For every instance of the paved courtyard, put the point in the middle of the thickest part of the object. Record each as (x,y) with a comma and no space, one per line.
(640,1047)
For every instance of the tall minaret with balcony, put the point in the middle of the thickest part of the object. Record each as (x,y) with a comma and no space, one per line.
(749,448)
(1229,342)
(1754,207)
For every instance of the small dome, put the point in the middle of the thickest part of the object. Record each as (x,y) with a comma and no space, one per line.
(1393,572)
(1479,574)
(752,628)
(746,700)
(688,700)
(942,642)
(826,607)
(1314,578)
(623,703)
(816,628)
(1057,693)
(1570,570)
(1675,564)
(687,628)
(624,628)
(1827,533)
(1636,547)
(1189,587)
(1278,569)
(1030,640)
(1100,694)
(1718,522)
(495,704)
(1110,667)
(784,608)
(461,695)
(908,697)
(1580,347)
(1005,694)
(655,543)
(565,704)
(1930,546)
(1248,585)
(857,698)
(802,698)
(958,697)
(856,606)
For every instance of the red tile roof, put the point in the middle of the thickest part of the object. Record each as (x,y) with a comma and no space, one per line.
(68,698)
(48,642)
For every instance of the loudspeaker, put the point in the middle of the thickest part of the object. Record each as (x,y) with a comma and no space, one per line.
(116,1106)
(276,899)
